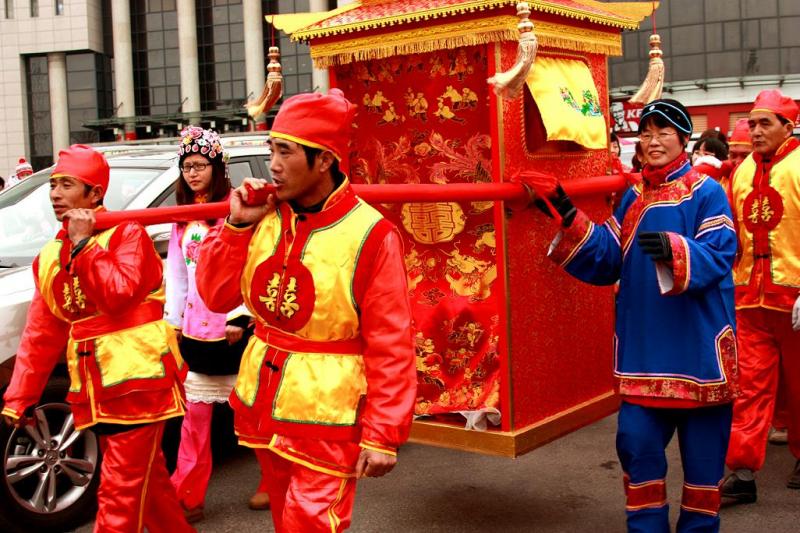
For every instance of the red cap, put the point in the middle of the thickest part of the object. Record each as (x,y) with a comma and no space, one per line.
(84,163)
(774,101)
(318,120)
(741,134)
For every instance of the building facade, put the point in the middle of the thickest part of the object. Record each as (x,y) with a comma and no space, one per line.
(98,70)
(718,55)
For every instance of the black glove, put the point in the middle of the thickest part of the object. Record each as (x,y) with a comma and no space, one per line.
(562,204)
(656,245)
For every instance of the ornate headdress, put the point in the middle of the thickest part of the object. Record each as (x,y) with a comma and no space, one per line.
(196,140)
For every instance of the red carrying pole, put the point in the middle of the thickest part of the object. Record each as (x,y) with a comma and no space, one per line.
(379,194)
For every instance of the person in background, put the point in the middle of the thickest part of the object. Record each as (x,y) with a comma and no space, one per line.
(210,343)
(711,147)
(2,183)
(739,145)
(710,155)
(613,145)
(328,382)
(764,194)
(671,244)
(21,171)
(637,161)
(98,297)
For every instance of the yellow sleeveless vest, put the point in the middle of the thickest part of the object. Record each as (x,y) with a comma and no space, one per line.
(784,255)
(315,387)
(150,342)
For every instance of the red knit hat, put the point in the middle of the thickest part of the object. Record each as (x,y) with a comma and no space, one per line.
(23,168)
(83,163)
(774,101)
(741,134)
(318,120)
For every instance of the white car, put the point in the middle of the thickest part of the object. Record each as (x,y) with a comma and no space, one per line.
(50,471)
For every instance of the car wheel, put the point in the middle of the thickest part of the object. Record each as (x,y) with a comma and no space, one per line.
(50,470)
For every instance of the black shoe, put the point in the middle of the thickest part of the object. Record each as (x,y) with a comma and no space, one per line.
(738,489)
(794,479)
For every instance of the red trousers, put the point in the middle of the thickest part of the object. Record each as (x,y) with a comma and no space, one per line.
(135,491)
(767,345)
(305,500)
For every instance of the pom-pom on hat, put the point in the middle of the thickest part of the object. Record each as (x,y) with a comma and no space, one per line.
(317,120)
(671,110)
(196,140)
(23,168)
(83,163)
(741,134)
(774,101)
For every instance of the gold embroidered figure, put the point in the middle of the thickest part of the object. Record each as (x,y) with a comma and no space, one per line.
(290,306)
(272,293)
(766,210)
(67,298)
(80,298)
(754,214)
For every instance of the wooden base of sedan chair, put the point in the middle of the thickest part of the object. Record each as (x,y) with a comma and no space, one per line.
(517,442)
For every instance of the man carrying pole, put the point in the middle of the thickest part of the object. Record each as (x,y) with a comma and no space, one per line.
(99,297)
(328,381)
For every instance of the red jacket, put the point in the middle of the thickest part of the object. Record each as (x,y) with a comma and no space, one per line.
(328,290)
(104,307)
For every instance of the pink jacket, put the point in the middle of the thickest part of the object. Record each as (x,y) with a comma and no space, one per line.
(184,309)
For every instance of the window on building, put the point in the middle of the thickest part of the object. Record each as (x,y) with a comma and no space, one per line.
(38,84)
(59,7)
(156,62)
(9,5)
(34,8)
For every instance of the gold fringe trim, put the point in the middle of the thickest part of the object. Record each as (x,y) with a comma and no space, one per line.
(622,15)
(417,41)
(566,37)
(470,33)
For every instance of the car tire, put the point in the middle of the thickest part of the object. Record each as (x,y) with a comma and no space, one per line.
(49,481)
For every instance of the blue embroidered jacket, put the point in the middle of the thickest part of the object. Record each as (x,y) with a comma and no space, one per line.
(675,339)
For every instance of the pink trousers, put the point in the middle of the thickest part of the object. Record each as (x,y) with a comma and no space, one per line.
(193,470)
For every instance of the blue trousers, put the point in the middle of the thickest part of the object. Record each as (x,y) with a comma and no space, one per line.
(643,434)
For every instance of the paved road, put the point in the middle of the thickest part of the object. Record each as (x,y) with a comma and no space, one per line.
(571,485)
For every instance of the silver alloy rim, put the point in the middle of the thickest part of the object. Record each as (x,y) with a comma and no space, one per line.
(47,471)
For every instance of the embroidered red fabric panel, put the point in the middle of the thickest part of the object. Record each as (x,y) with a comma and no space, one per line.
(424,118)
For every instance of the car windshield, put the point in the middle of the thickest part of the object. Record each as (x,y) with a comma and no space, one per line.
(28,222)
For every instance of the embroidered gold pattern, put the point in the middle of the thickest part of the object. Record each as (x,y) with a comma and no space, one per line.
(272,293)
(431,223)
(74,298)
(80,298)
(290,306)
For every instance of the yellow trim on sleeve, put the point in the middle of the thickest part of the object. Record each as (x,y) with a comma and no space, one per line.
(378,448)
(10,413)
(234,229)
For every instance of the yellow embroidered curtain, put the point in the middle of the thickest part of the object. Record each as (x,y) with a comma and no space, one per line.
(568,102)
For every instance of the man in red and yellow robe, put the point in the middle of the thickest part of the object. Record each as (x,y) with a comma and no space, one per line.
(99,297)
(766,206)
(327,384)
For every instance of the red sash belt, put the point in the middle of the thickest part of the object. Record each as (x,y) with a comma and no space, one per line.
(292,343)
(95,326)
